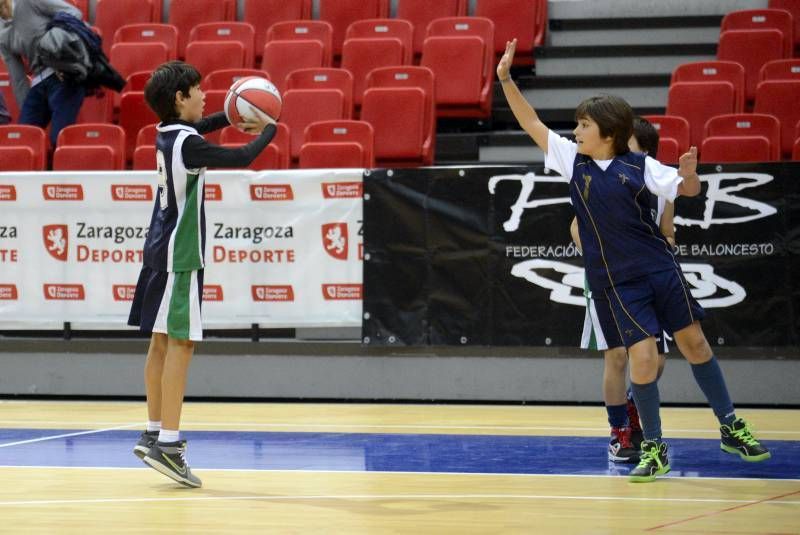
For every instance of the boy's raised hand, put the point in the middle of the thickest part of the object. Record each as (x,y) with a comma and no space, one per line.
(687,164)
(257,124)
(504,66)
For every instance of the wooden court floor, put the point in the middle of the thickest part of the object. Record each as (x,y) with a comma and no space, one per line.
(67,467)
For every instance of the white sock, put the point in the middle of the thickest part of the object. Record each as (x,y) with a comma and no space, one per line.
(168,435)
(153,426)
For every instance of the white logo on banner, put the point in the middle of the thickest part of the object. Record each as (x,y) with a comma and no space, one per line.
(710,290)
(524,200)
(718,194)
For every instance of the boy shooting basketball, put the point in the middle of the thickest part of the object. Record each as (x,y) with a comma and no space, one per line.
(169,292)
(629,261)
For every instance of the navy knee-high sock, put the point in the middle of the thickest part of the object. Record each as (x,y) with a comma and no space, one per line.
(709,377)
(647,401)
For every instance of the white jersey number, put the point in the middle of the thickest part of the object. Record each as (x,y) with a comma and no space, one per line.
(163,193)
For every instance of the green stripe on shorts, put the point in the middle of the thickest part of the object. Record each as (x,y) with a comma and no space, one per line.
(178,313)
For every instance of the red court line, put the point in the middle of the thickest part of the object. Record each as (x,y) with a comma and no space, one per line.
(713,513)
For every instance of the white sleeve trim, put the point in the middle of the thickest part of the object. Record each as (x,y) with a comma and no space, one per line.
(560,155)
(661,179)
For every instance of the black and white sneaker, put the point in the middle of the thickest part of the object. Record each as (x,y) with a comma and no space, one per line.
(620,447)
(169,458)
(146,442)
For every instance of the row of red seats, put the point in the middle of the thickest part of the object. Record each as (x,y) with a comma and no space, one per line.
(524,19)
(405,129)
(458,49)
(398,103)
(736,137)
(328,144)
(702,90)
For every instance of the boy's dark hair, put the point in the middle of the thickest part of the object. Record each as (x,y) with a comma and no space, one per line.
(165,82)
(614,118)
(646,136)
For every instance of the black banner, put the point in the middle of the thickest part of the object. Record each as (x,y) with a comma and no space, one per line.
(483,256)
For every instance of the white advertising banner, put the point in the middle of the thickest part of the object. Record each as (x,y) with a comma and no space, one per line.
(283,248)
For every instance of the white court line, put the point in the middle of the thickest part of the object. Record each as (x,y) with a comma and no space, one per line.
(212,425)
(396,472)
(369,497)
(65,435)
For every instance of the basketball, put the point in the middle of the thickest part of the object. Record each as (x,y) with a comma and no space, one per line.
(250,96)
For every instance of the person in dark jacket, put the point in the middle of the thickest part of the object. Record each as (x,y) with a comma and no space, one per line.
(47,98)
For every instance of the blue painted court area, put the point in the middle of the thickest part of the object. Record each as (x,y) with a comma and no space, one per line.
(389,453)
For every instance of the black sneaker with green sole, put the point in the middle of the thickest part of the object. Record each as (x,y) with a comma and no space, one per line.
(146,442)
(738,439)
(169,458)
(653,461)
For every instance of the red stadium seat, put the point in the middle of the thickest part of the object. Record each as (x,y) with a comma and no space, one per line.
(793,7)
(781,69)
(110,15)
(763,19)
(748,125)
(224,78)
(215,102)
(407,135)
(751,48)
(262,14)
(420,13)
(726,149)
(302,107)
(796,149)
(673,127)
(99,108)
(305,30)
(714,71)
(342,13)
(144,158)
(31,137)
(668,151)
(128,58)
(83,135)
(18,158)
(360,56)
(324,78)
(241,32)
(8,94)
(150,33)
(147,135)
(344,131)
(780,98)
(459,52)
(137,81)
(331,155)
(697,102)
(520,19)
(85,158)
(274,156)
(282,57)
(186,14)
(134,113)
(382,28)
(210,56)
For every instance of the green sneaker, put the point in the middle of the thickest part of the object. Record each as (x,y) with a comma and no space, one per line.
(738,439)
(169,458)
(653,462)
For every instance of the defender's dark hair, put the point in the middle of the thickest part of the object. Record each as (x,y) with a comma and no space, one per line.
(165,82)
(646,135)
(614,118)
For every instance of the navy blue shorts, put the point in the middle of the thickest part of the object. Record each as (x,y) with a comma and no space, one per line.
(168,303)
(644,306)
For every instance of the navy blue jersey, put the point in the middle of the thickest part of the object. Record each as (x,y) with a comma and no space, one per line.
(620,239)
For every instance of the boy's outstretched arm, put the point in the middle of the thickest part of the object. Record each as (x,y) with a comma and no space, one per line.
(197,152)
(687,168)
(523,111)
(667,225)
